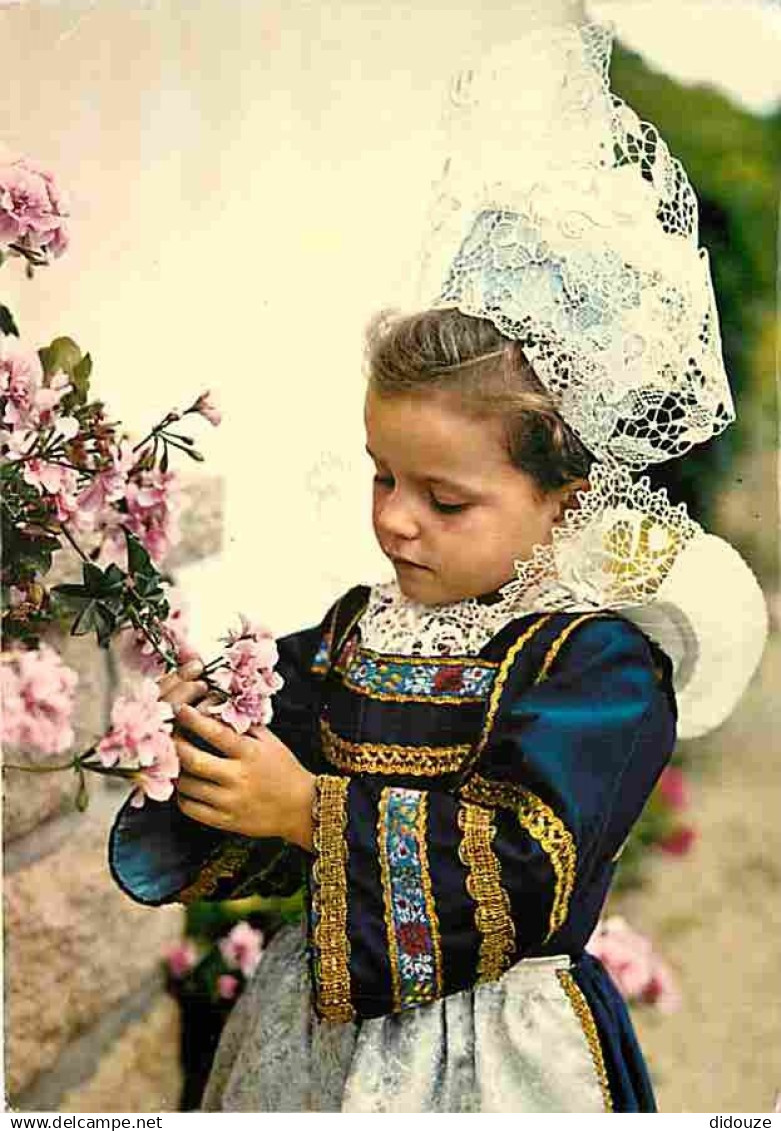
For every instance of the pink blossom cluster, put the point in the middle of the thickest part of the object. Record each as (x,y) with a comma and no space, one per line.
(37,693)
(140,741)
(673,788)
(154,504)
(630,960)
(33,209)
(242,948)
(140,654)
(181,958)
(249,679)
(29,404)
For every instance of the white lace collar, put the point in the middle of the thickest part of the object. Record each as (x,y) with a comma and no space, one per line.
(393,623)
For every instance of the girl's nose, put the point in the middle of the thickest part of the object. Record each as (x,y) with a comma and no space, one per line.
(396,517)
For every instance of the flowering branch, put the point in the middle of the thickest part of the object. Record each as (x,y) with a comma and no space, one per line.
(65,471)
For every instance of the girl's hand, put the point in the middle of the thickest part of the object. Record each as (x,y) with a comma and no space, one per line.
(259,788)
(181,686)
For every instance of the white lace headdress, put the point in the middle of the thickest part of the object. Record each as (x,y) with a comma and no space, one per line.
(564,220)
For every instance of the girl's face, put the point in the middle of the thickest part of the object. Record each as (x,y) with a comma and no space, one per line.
(449,508)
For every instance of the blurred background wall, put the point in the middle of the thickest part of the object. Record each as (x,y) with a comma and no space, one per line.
(249,182)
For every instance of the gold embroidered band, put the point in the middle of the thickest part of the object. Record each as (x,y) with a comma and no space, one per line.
(543,825)
(493,918)
(382,758)
(586,1018)
(228,860)
(329,899)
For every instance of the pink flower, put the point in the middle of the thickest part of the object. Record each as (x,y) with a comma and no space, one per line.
(205,407)
(156,781)
(61,483)
(32,208)
(249,680)
(673,788)
(678,842)
(154,504)
(630,960)
(181,958)
(138,721)
(227,987)
(109,485)
(140,740)
(249,630)
(37,692)
(662,990)
(242,948)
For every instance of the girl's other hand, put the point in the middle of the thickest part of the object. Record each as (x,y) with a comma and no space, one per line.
(181,686)
(253,784)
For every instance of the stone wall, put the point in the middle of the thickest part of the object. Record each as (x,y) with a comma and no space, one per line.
(88,1026)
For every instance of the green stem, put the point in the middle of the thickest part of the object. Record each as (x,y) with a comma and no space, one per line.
(72,765)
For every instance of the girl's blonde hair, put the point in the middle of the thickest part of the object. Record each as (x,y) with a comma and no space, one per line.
(448,350)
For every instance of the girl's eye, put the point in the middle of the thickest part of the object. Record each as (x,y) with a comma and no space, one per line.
(448,508)
(384,480)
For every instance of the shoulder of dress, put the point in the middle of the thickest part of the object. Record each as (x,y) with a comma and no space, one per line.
(540,642)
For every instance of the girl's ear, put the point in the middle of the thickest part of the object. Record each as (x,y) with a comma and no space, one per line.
(568,497)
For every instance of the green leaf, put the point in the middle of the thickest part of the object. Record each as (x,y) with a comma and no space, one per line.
(80,376)
(61,354)
(106,623)
(138,559)
(86,621)
(71,591)
(7,324)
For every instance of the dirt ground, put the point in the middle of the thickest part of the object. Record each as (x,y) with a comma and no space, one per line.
(715,915)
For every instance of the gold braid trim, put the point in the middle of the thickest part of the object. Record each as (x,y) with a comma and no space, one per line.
(436,661)
(492,915)
(339,645)
(559,643)
(498,685)
(228,860)
(588,1025)
(382,758)
(543,825)
(329,896)
(390,931)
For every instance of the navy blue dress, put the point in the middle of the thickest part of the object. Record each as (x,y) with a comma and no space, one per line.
(469,813)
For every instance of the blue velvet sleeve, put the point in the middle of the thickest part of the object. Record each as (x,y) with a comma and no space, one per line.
(158,855)
(416,894)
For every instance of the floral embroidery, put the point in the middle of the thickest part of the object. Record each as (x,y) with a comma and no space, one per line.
(414,944)
(415,679)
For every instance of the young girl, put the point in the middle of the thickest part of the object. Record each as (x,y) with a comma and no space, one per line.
(458,756)
(454,773)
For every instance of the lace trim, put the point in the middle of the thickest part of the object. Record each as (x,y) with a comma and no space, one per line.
(566,221)
(329,899)
(588,1025)
(493,917)
(541,823)
(389,758)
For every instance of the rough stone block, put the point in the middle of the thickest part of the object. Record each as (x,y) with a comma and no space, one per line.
(140,1072)
(75,946)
